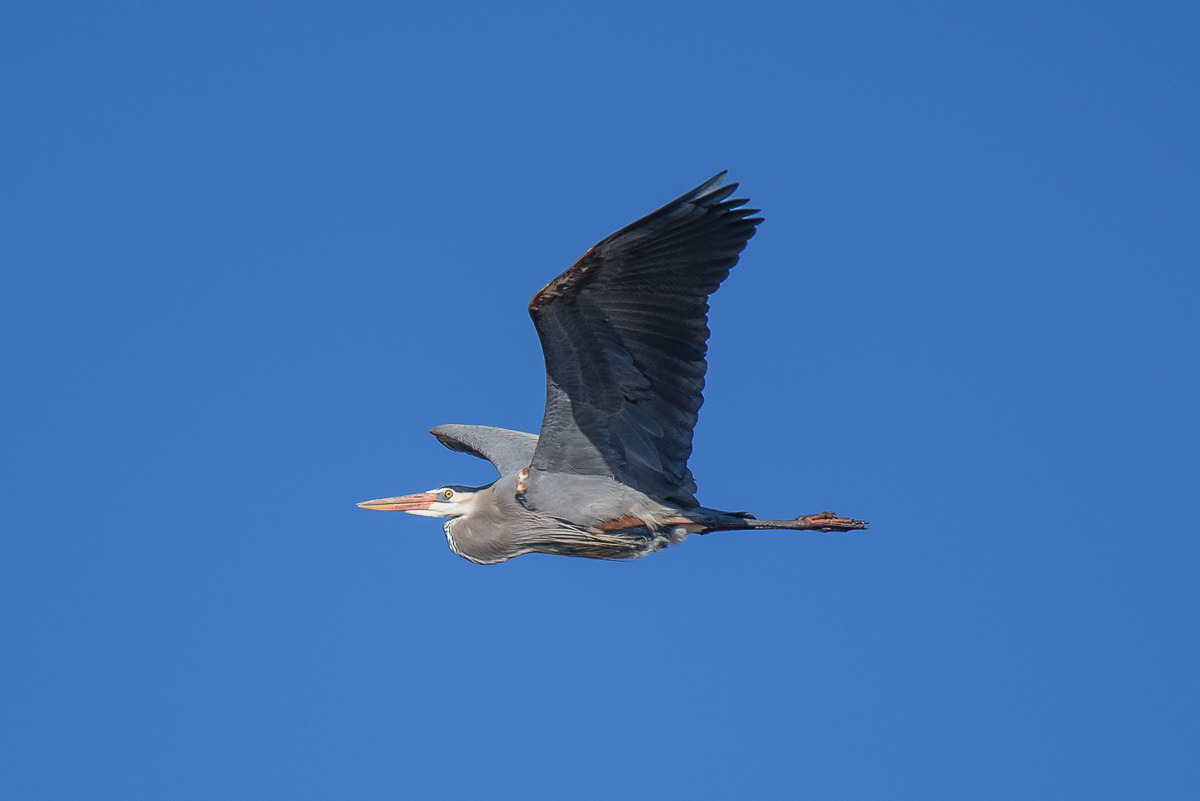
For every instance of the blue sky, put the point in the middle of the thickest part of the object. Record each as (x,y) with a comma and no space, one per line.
(252,253)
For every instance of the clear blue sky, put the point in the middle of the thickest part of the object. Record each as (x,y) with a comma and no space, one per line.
(252,252)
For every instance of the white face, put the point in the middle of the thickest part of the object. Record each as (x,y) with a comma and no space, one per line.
(449,503)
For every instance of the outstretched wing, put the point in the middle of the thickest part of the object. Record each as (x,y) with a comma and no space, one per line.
(625,331)
(509,451)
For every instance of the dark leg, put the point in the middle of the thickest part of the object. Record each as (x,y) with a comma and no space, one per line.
(822,521)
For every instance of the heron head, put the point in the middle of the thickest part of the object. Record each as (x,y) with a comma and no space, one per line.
(449,501)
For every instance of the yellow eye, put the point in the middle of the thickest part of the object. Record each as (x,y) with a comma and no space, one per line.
(448,494)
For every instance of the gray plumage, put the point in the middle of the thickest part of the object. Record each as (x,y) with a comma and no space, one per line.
(624,333)
(508,451)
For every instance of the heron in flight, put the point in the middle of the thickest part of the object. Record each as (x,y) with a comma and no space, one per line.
(624,333)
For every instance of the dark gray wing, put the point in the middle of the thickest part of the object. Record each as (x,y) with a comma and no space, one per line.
(624,332)
(509,451)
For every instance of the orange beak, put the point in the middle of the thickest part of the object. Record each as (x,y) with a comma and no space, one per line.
(402,503)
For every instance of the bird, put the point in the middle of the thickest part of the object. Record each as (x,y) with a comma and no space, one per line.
(624,332)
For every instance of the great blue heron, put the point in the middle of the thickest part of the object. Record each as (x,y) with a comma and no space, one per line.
(624,332)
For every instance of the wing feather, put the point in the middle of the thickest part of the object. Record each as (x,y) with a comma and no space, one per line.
(624,332)
(509,451)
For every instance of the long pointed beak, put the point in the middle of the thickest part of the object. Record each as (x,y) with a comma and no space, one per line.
(403,503)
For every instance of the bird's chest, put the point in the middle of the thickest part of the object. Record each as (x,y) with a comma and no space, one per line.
(481,544)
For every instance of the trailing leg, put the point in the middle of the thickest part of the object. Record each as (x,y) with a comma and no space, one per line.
(822,521)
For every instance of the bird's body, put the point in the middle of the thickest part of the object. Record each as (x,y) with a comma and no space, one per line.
(624,332)
(500,525)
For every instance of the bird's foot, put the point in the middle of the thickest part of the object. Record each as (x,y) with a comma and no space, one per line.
(829,521)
